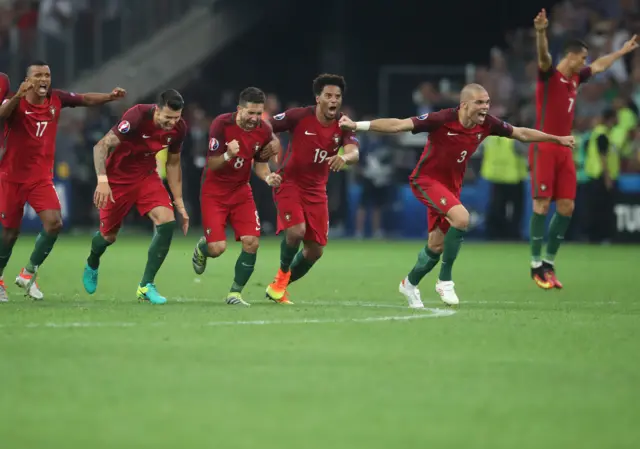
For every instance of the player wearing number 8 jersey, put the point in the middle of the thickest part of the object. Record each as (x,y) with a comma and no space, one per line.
(553,173)
(301,199)
(26,169)
(454,135)
(236,141)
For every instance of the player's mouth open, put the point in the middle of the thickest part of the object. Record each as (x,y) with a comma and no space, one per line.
(42,89)
(482,114)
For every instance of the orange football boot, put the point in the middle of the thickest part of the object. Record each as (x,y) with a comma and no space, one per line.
(277,290)
(540,277)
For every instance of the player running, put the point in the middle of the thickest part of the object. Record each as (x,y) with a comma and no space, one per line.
(26,169)
(553,173)
(301,199)
(454,135)
(237,141)
(125,161)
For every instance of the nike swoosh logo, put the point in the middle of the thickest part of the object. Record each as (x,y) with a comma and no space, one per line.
(144,136)
(29,112)
(564,81)
(307,133)
(452,134)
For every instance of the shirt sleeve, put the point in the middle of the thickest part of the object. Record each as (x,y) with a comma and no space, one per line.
(498,127)
(544,75)
(603,144)
(286,121)
(69,99)
(4,87)
(128,124)
(216,138)
(176,145)
(429,122)
(585,75)
(350,138)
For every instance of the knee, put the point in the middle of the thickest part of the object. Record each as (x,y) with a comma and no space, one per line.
(436,247)
(541,206)
(295,234)
(53,227)
(312,252)
(565,207)
(216,248)
(9,236)
(459,218)
(110,237)
(250,244)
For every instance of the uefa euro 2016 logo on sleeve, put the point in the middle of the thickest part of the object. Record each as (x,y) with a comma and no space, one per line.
(279,116)
(423,117)
(124,127)
(213,144)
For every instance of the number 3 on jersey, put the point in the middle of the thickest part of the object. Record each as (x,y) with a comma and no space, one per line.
(463,156)
(41,126)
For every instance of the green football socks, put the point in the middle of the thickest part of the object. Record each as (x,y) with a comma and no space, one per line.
(98,246)
(244,269)
(287,254)
(44,245)
(299,267)
(536,236)
(158,251)
(557,230)
(452,243)
(427,260)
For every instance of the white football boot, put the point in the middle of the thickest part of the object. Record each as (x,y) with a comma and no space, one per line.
(412,294)
(447,293)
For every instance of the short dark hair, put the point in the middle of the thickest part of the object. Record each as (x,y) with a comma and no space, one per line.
(575,46)
(172,99)
(37,63)
(327,79)
(251,95)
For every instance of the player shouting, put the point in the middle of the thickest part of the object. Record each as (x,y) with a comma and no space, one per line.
(454,135)
(553,172)
(26,169)
(301,199)
(237,141)
(125,161)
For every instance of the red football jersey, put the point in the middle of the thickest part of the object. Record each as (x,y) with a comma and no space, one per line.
(140,140)
(556,100)
(312,143)
(4,93)
(30,137)
(236,172)
(450,145)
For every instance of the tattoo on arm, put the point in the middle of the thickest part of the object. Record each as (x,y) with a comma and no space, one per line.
(101,152)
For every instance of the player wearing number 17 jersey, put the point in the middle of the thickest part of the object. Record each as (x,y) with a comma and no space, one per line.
(237,141)
(301,199)
(553,173)
(26,169)
(454,135)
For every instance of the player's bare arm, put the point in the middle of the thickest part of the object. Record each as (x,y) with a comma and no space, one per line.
(100,153)
(217,162)
(174,179)
(97,99)
(351,156)
(603,63)
(263,172)
(273,148)
(542,44)
(8,107)
(381,125)
(533,135)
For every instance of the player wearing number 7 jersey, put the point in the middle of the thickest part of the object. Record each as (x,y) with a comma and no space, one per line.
(553,173)
(454,135)
(236,141)
(301,200)
(26,169)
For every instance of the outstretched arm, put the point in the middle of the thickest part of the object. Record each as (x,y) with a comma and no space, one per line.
(386,125)
(542,44)
(533,135)
(97,99)
(604,62)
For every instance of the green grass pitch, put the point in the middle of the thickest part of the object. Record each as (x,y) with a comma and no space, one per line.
(348,366)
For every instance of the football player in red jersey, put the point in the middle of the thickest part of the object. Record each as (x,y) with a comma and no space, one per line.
(26,169)
(454,135)
(553,172)
(301,199)
(125,161)
(237,141)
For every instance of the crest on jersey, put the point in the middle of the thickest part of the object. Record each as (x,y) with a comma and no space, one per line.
(479,136)
(543,187)
(257,148)
(443,201)
(279,116)
(213,144)
(52,109)
(168,139)
(208,231)
(124,127)
(423,117)
(336,138)
(287,217)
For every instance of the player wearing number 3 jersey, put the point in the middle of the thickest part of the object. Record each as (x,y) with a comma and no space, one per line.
(454,135)
(26,169)
(236,141)
(301,200)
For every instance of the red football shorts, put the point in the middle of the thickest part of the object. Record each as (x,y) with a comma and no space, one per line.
(239,209)
(145,195)
(295,207)
(41,195)
(438,198)
(553,172)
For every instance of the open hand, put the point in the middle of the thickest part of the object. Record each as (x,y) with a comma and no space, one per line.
(103,195)
(273,180)
(336,162)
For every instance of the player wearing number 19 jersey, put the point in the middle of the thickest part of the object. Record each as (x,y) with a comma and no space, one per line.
(26,168)
(301,199)
(454,135)
(237,141)
(553,173)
